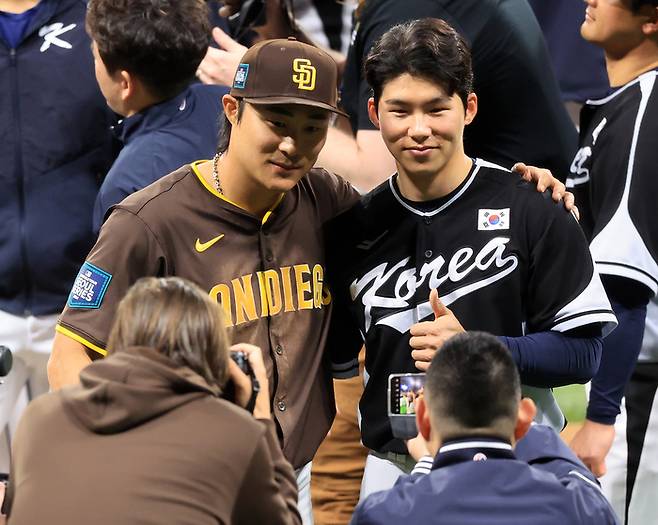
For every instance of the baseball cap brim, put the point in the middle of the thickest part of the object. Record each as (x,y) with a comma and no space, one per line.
(294,100)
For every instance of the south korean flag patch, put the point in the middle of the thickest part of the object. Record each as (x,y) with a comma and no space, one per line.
(89,287)
(493,219)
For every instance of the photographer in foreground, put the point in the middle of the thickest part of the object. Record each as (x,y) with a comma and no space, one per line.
(472,420)
(146,438)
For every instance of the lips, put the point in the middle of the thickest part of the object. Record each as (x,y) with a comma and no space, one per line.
(420,148)
(284,166)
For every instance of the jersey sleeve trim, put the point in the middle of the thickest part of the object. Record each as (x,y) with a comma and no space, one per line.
(607,319)
(65,331)
(589,307)
(345,370)
(629,272)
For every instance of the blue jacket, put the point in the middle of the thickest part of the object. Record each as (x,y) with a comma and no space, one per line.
(55,146)
(481,481)
(159,140)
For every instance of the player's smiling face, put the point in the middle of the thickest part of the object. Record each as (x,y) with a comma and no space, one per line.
(422,125)
(278,144)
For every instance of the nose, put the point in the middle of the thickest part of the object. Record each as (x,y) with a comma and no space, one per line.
(419,130)
(288,146)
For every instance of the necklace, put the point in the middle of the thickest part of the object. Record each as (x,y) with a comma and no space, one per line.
(215,174)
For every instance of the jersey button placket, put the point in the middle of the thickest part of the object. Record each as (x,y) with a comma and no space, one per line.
(281,405)
(278,349)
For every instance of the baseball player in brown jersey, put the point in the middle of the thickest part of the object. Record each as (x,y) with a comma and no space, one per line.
(246,227)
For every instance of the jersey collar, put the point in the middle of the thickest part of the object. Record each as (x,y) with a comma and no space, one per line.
(266,217)
(451,198)
(472,449)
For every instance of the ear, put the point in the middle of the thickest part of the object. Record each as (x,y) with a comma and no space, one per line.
(128,85)
(231,106)
(650,27)
(372,112)
(423,418)
(526,414)
(471,108)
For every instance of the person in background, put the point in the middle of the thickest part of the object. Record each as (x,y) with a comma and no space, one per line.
(55,148)
(613,175)
(146,53)
(579,65)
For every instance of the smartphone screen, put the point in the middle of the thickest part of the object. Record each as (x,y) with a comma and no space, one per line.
(404,391)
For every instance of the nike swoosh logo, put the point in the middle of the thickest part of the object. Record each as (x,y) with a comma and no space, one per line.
(203,246)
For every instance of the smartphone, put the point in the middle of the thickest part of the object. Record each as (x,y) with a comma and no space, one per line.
(404,390)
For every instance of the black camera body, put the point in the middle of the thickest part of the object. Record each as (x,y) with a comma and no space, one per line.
(6,361)
(241,359)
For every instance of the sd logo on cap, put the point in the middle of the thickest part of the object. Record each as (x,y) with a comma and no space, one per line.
(287,72)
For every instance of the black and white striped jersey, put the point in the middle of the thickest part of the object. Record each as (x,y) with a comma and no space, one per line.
(504,258)
(615,180)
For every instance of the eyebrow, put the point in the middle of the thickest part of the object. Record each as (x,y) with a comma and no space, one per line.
(401,102)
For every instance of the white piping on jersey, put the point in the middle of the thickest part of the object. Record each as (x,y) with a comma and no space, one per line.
(475,444)
(624,270)
(607,319)
(431,213)
(584,478)
(620,228)
(589,302)
(605,100)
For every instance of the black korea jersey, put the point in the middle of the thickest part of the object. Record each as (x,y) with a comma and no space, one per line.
(614,179)
(504,258)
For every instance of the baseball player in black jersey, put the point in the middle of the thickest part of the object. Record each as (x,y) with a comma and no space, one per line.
(614,177)
(503,257)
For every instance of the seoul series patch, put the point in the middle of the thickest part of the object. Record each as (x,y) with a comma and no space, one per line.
(240,79)
(493,219)
(89,287)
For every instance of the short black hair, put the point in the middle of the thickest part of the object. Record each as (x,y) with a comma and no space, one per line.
(637,4)
(428,48)
(161,42)
(473,383)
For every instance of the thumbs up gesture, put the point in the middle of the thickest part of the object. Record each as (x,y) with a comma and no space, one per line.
(427,337)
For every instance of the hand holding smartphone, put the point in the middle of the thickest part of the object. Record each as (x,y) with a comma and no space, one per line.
(404,390)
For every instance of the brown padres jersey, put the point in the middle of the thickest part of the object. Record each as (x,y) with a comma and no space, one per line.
(267,274)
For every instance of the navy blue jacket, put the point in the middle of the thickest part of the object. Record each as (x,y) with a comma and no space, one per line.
(159,140)
(478,481)
(55,146)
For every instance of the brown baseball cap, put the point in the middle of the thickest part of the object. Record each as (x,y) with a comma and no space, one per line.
(287,72)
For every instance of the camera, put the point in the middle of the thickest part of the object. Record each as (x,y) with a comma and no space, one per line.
(241,359)
(6,361)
